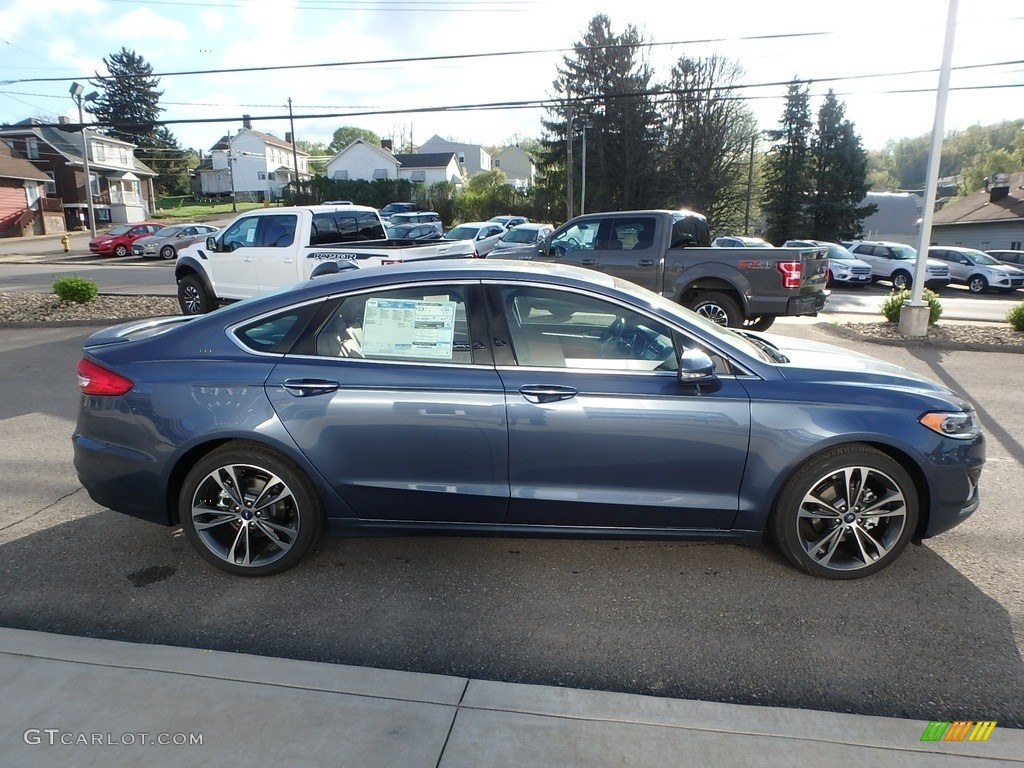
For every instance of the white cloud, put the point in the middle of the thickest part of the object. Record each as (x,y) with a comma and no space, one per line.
(213,21)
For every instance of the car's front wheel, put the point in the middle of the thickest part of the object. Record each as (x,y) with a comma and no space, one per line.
(120,250)
(193,297)
(977,284)
(901,281)
(249,511)
(167,252)
(846,513)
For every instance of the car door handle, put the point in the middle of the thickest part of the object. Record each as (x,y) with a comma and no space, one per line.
(308,387)
(646,263)
(589,262)
(247,258)
(547,393)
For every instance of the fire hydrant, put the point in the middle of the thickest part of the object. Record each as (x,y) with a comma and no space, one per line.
(66,242)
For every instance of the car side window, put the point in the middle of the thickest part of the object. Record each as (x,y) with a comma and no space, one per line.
(416,324)
(552,328)
(277,231)
(241,234)
(633,233)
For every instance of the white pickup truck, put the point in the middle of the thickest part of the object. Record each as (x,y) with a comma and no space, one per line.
(274,247)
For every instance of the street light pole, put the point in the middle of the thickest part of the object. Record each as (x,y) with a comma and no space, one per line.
(76,94)
(583,179)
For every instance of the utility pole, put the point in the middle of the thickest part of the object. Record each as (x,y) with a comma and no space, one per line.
(569,170)
(750,186)
(76,94)
(583,176)
(295,153)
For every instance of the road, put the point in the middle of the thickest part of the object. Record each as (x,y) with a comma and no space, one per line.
(32,266)
(937,636)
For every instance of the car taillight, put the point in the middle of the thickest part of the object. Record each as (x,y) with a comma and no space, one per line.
(792,272)
(96,380)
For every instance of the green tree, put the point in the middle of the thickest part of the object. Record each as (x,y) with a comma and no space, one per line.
(349,133)
(707,159)
(128,108)
(840,175)
(314,149)
(788,183)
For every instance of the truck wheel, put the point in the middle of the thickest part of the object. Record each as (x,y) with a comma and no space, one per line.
(901,281)
(759,323)
(719,308)
(193,296)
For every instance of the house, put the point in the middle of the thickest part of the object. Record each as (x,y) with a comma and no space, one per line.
(989,219)
(24,207)
(251,165)
(518,166)
(472,157)
(121,186)
(364,160)
(897,218)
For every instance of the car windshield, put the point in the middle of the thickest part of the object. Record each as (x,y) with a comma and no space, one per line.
(520,235)
(118,230)
(839,253)
(462,233)
(978,257)
(903,252)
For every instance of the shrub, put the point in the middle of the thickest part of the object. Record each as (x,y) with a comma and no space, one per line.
(891,306)
(1016,317)
(80,290)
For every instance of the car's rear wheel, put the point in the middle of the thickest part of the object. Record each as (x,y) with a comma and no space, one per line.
(901,281)
(193,297)
(719,308)
(846,513)
(977,284)
(167,252)
(249,511)
(759,323)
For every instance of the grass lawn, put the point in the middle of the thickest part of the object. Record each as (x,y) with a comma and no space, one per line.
(197,211)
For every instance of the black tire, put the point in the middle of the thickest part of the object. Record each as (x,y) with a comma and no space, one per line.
(168,253)
(759,323)
(845,541)
(977,284)
(719,308)
(264,529)
(193,298)
(120,249)
(902,281)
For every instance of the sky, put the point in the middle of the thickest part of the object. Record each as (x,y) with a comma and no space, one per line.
(863,51)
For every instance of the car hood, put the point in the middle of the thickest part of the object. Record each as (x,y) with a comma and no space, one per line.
(815,361)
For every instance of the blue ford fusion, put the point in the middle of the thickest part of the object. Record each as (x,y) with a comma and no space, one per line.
(514,399)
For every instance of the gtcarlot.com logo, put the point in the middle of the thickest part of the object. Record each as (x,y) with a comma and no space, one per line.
(959,730)
(55,736)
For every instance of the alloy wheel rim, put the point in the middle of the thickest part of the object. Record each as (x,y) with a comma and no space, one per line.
(192,299)
(851,518)
(245,515)
(715,313)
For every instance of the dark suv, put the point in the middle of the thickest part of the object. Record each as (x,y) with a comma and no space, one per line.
(391,209)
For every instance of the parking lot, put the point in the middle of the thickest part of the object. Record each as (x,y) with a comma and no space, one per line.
(936,636)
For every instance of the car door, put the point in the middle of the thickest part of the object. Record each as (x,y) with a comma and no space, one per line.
(396,402)
(577,243)
(233,266)
(601,433)
(870,253)
(277,252)
(952,260)
(629,250)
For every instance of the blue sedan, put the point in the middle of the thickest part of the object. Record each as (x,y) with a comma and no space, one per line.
(516,399)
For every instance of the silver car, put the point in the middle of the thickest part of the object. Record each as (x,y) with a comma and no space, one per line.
(484,235)
(978,271)
(168,241)
(897,263)
(843,267)
(522,241)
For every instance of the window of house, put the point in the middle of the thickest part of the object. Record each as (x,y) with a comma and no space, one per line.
(339,175)
(124,156)
(102,214)
(94,184)
(262,175)
(51,185)
(98,152)
(497,163)
(1015,245)
(32,149)
(462,157)
(270,176)
(418,176)
(380,173)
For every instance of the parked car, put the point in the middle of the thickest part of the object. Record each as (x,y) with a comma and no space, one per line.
(1012,258)
(419,217)
(339,202)
(168,241)
(843,266)
(977,270)
(896,262)
(391,209)
(413,232)
(740,242)
(522,240)
(508,222)
(118,241)
(484,235)
(470,396)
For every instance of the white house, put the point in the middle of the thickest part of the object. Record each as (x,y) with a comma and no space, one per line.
(472,157)
(261,164)
(362,160)
(430,168)
(517,165)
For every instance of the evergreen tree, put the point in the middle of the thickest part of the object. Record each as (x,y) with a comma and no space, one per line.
(788,184)
(840,175)
(128,109)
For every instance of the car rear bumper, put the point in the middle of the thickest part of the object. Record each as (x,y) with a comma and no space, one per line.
(120,478)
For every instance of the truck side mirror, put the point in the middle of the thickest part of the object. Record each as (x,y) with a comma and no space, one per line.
(211,244)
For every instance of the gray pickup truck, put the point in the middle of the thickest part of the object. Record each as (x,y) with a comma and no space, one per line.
(668,252)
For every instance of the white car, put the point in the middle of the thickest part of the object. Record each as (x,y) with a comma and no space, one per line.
(843,266)
(484,235)
(897,262)
(740,242)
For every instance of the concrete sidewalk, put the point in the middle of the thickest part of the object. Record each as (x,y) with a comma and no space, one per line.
(85,702)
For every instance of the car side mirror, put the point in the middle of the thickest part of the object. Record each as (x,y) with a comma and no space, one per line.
(696,369)
(211,244)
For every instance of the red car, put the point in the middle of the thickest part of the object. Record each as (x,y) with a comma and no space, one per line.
(118,241)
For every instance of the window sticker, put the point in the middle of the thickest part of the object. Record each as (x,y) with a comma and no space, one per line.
(409,328)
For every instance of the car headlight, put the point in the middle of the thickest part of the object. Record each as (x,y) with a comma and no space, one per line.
(959,424)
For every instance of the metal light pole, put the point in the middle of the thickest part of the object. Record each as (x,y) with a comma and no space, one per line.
(583,179)
(295,153)
(76,94)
